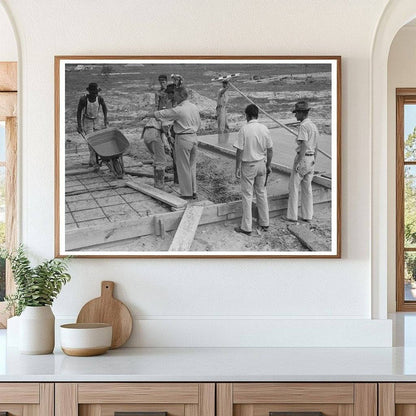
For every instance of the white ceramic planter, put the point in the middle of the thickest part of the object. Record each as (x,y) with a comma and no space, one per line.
(37,330)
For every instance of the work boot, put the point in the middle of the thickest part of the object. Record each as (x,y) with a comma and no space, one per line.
(159,176)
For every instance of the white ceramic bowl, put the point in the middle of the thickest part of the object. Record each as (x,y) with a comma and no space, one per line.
(83,340)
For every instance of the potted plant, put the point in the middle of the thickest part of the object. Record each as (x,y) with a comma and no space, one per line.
(36,289)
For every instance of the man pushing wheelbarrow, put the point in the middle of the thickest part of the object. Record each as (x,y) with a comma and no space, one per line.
(88,112)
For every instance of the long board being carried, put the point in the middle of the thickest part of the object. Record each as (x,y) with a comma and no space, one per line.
(107,309)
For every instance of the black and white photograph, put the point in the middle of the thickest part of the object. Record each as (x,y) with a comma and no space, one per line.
(198,156)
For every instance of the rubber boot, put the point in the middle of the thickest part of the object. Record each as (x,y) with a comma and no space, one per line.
(159,177)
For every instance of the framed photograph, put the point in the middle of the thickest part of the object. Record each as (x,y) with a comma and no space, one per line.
(198,156)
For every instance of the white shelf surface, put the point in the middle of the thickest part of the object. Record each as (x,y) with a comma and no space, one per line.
(212,365)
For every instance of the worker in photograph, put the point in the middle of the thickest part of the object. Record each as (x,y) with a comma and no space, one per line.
(253,162)
(303,166)
(155,133)
(177,79)
(89,107)
(161,97)
(186,123)
(221,110)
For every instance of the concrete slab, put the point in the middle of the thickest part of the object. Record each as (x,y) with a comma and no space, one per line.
(88,214)
(82,205)
(110,200)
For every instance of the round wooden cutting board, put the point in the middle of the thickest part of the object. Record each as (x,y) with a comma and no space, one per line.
(107,309)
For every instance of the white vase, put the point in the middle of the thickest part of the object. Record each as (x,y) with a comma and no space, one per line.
(37,330)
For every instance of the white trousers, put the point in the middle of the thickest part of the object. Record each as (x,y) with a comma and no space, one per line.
(304,182)
(253,176)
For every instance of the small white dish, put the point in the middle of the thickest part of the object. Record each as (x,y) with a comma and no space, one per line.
(84,340)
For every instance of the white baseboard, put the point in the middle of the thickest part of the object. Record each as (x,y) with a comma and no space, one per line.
(258,332)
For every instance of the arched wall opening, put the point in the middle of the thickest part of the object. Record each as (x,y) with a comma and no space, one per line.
(397,14)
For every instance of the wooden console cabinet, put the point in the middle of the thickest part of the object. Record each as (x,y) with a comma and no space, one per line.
(27,399)
(397,399)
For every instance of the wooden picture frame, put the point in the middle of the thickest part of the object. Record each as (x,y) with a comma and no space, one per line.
(123,207)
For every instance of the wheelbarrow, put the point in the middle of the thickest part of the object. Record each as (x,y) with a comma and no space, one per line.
(109,144)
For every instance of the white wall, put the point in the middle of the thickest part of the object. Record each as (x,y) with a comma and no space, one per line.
(179,302)
(8,46)
(401,74)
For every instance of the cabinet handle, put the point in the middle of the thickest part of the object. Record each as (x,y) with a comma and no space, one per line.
(137,414)
(296,414)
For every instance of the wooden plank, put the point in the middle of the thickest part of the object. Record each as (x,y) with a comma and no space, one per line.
(307,237)
(8,105)
(27,393)
(66,399)
(207,399)
(185,233)
(405,393)
(224,399)
(386,400)
(138,393)
(293,393)
(365,395)
(8,76)
(158,194)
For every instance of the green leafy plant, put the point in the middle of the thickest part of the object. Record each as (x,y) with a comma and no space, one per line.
(35,286)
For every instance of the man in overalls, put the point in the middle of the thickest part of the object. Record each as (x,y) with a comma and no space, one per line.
(89,106)
(221,110)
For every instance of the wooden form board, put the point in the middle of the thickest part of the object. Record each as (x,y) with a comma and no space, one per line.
(186,230)
(168,199)
(92,236)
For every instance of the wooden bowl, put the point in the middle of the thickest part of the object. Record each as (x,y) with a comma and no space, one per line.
(84,340)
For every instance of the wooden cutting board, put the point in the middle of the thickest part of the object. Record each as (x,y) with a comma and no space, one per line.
(107,309)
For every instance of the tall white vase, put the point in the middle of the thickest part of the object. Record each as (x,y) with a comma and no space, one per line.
(37,330)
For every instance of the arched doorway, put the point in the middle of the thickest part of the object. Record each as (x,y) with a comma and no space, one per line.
(396,14)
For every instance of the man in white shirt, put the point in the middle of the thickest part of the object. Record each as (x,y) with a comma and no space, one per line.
(186,124)
(303,166)
(253,161)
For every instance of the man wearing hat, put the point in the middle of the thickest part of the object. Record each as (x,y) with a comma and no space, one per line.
(89,106)
(303,166)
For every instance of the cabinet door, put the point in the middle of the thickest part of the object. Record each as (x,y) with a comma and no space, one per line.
(397,399)
(26,399)
(296,399)
(144,399)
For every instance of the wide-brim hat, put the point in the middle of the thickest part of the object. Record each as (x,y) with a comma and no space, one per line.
(93,87)
(301,106)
